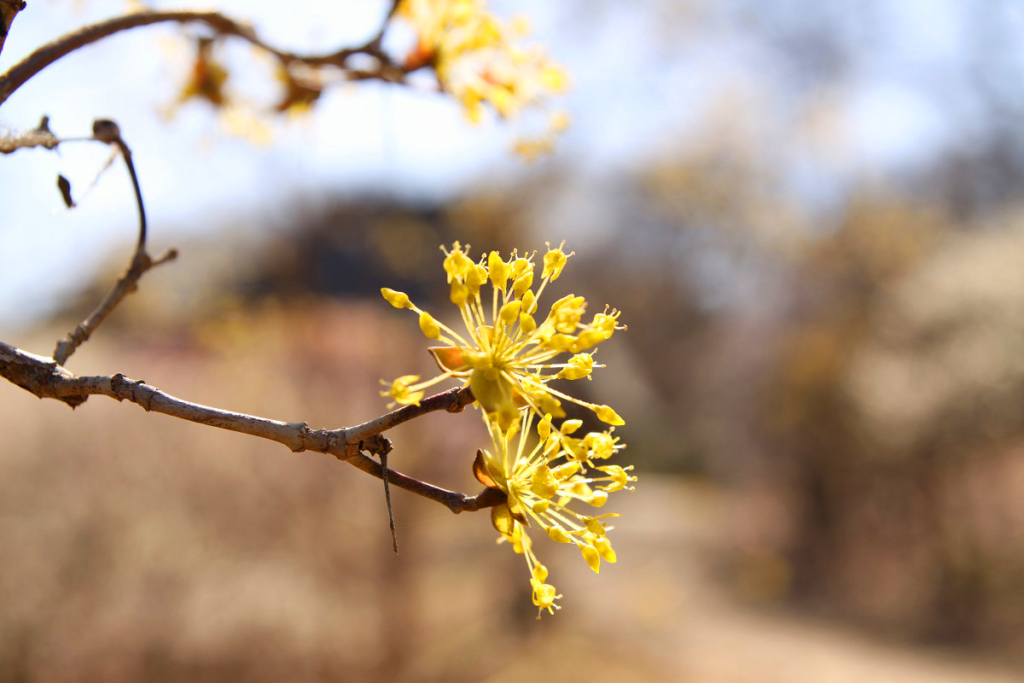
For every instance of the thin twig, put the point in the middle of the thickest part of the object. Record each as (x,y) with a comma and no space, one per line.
(45,378)
(453,401)
(453,500)
(41,136)
(387,497)
(375,42)
(108,132)
(24,70)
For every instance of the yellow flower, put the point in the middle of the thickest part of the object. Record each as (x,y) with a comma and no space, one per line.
(505,354)
(402,392)
(206,82)
(475,58)
(541,481)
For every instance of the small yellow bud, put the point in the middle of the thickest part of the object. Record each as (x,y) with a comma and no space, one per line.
(526,323)
(498,270)
(509,312)
(544,427)
(560,342)
(429,326)
(609,416)
(501,519)
(523,283)
(396,299)
(460,293)
(570,426)
(604,547)
(529,302)
(558,534)
(592,557)
(476,277)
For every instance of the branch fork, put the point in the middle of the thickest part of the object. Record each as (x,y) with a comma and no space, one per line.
(47,377)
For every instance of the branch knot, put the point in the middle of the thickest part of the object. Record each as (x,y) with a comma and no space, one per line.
(127,389)
(378,444)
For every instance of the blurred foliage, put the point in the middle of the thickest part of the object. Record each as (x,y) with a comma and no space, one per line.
(823,393)
(848,398)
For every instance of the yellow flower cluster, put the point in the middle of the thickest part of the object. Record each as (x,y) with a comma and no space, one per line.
(207,79)
(476,60)
(507,357)
(506,354)
(541,481)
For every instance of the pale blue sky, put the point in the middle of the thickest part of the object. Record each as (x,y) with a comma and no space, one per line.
(649,77)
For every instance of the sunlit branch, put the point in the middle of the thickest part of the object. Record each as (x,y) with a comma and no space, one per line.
(108,132)
(8,10)
(41,136)
(453,401)
(222,25)
(45,378)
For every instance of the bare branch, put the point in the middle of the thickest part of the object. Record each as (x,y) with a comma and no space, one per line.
(387,497)
(108,132)
(46,378)
(8,10)
(40,137)
(375,42)
(453,500)
(453,400)
(24,70)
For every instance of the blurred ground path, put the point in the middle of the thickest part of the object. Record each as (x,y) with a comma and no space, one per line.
(144,548)
(688,620)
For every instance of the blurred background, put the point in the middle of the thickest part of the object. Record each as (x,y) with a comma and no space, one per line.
(808,213)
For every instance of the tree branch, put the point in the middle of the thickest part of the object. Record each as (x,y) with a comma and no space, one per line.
(45,378)
(453,401)
(24,70)
(107,131)
(41,136)
(8,10)
(453,500)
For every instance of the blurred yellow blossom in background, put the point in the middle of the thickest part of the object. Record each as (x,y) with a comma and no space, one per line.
(478,62)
